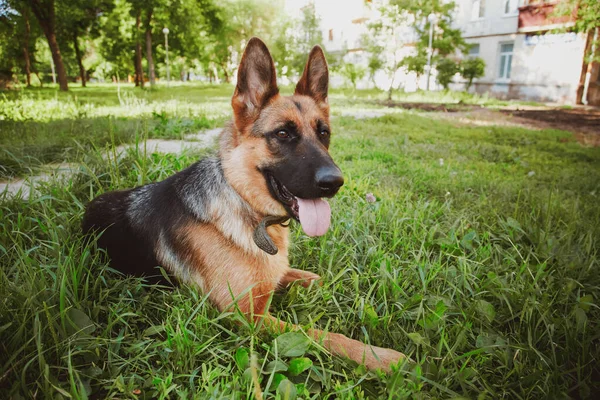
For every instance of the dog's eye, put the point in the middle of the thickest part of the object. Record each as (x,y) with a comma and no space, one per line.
(324,133)
(282,134)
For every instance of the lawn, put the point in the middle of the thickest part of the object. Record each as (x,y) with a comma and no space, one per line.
(479,259)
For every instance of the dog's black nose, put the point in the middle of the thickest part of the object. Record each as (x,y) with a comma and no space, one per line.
(329,179)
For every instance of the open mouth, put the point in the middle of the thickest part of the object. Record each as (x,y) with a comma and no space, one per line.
(285,197)
(313,214)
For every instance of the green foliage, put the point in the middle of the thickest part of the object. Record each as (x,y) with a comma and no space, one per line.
(352,73)
(446,40)
(415,63)
(19,34)
(446,69)
(293,39)
(472,68)
(407,18)
(587,15)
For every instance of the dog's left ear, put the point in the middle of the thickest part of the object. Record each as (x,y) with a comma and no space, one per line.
(315,79)
(256,83)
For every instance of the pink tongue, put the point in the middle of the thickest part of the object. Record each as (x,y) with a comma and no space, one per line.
(315,216)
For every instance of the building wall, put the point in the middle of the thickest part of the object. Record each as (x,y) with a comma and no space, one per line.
(494,21)
(545,66)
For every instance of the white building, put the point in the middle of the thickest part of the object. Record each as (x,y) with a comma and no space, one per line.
(524,59)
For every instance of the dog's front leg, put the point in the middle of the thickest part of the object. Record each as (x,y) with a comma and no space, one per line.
(255,307)
(304,278)
(372,357)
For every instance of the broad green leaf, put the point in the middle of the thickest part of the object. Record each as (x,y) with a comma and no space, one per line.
(581,318)
(286,390)
(486,309)
(247,375)
(467,240)
(275,366)
(277,378)
(371,317)
(513,223)
(80,321)
(292,344)
(153,330)
(483,341)
(241,358)
(418,339)
(299,365)
(585,302)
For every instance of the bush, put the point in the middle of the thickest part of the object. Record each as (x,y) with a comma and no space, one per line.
(352,73)
(446,68)
(472,68)
(415,63)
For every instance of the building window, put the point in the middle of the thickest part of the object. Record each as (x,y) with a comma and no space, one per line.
(474,50)
(478,9)
(331,35)
(506,56)
(511,7)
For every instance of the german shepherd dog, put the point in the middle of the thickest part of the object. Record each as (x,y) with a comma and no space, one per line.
(219,224)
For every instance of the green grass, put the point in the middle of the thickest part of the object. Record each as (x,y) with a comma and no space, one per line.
(482,267)
(41,126)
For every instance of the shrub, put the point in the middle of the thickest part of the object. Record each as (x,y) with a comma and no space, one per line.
(472,68)
(353,73)
(446,68)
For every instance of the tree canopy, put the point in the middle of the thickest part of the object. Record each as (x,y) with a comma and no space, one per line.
(79,40)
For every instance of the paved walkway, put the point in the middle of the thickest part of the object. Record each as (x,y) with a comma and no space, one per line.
(26,187)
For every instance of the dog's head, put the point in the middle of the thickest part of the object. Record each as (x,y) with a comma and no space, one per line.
(278,155)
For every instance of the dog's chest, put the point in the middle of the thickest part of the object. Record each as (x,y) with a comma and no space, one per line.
(222,268)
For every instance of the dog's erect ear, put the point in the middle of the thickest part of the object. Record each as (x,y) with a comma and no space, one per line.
(256,83)
(315,78)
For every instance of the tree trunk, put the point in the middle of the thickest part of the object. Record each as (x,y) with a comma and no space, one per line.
(26,48)
(224,66)
(392,86)
(44,13)
(151,74)
(79,61)
(139,72)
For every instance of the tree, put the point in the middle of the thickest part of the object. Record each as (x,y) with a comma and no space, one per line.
(230,26)
(446,40)
(374,64)
(294,40)
(415,63)
(446,69)
(587,19)
(385,41)
(18,48)
(405,21)
(148,35)
(353,73)
(80,18)
(45,13)
(119,42)
(472,68)
(146,10)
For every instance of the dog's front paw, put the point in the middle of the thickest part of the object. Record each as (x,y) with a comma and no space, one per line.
(378,358)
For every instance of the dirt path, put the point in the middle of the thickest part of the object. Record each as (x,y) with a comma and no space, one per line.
(583,123)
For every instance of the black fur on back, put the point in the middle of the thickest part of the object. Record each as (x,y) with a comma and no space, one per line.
(130,224)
